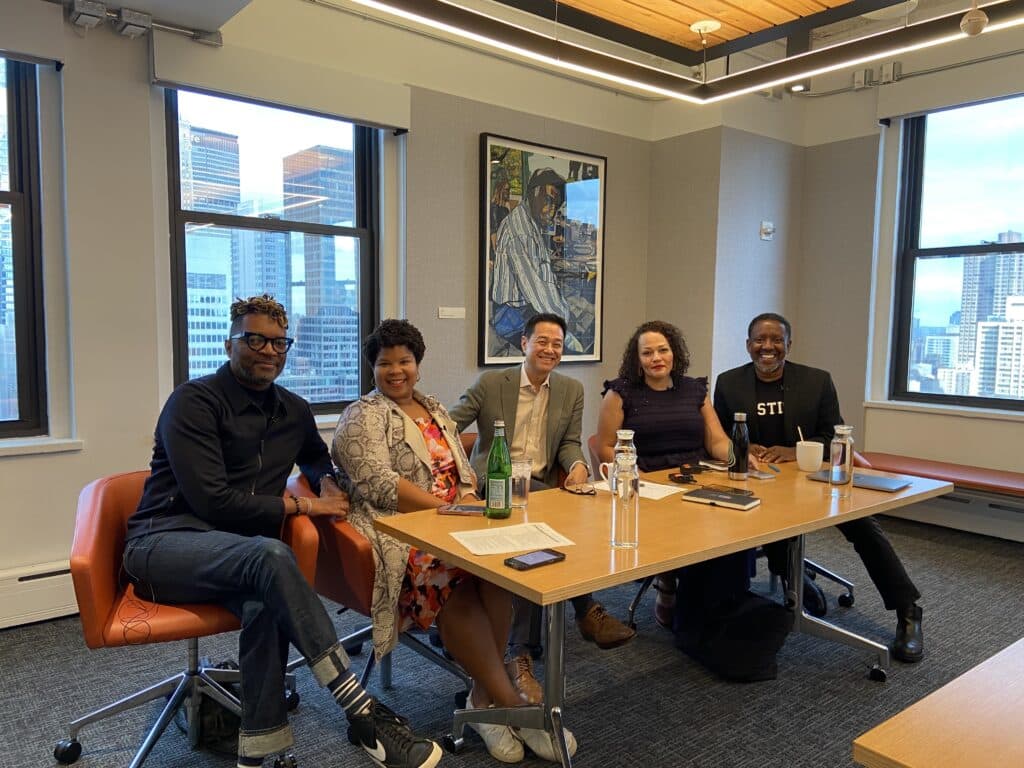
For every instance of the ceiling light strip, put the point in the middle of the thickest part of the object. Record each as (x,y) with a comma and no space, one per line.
(529,44)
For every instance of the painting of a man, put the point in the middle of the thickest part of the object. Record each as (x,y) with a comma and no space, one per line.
(543,256)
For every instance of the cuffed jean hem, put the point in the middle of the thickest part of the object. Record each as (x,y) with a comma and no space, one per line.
(271,741)
(330,664)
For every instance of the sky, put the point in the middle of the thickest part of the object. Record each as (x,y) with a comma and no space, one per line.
(973,190)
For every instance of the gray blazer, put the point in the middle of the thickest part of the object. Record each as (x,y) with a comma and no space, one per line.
(495,395)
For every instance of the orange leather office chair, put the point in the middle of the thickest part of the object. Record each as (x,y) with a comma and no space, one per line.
(113,615)
(344,574)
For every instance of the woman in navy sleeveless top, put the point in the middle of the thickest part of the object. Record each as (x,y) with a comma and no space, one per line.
(673,423)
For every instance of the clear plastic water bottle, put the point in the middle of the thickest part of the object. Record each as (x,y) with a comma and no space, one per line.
(625,484)
(840,470)
(740,447)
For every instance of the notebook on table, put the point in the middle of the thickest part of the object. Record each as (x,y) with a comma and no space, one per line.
(721,498)
(871,482)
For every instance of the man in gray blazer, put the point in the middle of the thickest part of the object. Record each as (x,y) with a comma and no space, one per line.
(543,415)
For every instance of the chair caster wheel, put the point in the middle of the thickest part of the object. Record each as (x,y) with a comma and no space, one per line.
(291,700)
(354,649)
(845,600)
(461,699)
(67,751)
(286,761)
(877,674)
(452,745)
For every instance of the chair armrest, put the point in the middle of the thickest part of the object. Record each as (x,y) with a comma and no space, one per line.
(301,535)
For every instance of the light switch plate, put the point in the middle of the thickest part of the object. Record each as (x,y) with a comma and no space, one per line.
(451,313)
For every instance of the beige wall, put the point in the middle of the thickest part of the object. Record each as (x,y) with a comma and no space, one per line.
(762,180)
(683,223)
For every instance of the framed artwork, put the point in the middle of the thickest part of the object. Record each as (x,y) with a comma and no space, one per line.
(541,246)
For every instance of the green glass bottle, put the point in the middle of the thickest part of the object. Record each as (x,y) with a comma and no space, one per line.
(499,476)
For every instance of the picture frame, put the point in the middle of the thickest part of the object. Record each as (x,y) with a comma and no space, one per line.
(541,246)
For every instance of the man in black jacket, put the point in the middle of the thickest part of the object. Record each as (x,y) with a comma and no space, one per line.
(207,530)
(778,397)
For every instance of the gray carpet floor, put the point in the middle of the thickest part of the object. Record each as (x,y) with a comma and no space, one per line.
(641,705)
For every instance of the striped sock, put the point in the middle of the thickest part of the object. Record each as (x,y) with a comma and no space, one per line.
(250,762)
(352,697)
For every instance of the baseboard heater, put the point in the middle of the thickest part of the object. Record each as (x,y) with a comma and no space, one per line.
(36,592)
(991,514)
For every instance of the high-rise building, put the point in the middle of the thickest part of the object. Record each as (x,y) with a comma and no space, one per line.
(1000,359)
(319,187)
(209,169)
(209,182)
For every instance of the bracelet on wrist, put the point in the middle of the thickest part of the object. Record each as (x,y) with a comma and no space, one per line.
(295,500)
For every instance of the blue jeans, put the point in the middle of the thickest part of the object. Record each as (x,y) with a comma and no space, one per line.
(258,580)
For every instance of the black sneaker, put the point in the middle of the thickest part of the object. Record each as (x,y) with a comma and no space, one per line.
(388,740)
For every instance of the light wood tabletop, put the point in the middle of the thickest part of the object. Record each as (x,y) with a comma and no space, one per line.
(975,720)
(673,532)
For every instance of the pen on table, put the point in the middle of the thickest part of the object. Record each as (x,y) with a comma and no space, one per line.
(773,468)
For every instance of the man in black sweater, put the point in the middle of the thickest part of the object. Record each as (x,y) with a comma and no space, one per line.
(208,525)
(780,396)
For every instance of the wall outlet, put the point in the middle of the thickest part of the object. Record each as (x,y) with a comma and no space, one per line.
(451,313)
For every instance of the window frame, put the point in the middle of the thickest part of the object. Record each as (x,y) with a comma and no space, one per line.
(908,253)
(24,199)
(366,154)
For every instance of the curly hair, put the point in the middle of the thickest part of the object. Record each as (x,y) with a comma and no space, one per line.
(258,305)
(394,333)
(630,369)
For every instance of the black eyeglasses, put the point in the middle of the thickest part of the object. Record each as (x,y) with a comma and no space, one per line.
(257,341)
(581,489)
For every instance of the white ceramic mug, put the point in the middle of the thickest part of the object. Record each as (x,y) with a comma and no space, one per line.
(808,455)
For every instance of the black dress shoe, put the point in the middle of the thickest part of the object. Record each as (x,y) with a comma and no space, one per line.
(814,598)
(909,643)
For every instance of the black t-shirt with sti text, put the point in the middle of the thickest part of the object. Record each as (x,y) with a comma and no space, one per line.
(768,412)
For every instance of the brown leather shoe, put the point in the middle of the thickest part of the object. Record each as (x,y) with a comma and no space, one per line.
(520,672)
(598,626)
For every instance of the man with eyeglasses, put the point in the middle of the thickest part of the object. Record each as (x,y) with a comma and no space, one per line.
(208,525)
(523,281)
(543,415)
(781,399)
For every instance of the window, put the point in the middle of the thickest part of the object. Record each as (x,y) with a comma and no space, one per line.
(267,200)
(960,298)
(22,361)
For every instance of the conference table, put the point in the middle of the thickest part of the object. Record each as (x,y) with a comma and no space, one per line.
(673,533)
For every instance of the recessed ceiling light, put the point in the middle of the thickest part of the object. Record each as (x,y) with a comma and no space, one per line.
(797,87)
(705,27)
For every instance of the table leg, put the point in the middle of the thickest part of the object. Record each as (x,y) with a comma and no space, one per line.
(554,679)
(811,625)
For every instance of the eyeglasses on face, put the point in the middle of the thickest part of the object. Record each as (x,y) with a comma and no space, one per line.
(257,341)
(581,489)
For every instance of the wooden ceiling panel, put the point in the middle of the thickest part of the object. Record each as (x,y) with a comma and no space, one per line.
(671,19)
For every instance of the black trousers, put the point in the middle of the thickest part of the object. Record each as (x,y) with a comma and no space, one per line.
(880,559)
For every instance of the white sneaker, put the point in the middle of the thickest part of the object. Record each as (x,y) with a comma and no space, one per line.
(500,740)
(543,744)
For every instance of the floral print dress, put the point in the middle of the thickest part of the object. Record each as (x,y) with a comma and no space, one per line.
(428,581)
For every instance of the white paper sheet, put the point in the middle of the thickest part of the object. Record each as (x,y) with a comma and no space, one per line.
(654,491)
(514,538)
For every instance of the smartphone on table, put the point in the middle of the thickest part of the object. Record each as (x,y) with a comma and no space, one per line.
(461,509)
(536,559)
